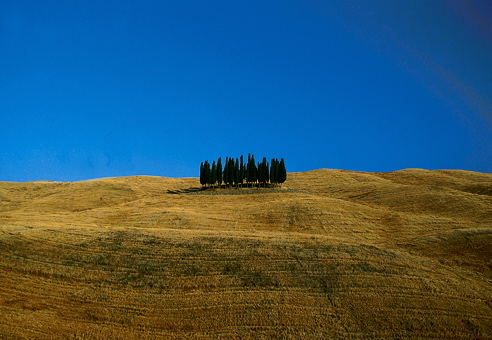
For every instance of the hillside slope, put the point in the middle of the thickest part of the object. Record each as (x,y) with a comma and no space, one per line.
(333,254)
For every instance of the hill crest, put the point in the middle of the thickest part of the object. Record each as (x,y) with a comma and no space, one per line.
(335,254)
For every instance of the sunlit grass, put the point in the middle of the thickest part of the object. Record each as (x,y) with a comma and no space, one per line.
(335,255)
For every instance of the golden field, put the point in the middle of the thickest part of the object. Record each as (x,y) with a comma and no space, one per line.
(333,254)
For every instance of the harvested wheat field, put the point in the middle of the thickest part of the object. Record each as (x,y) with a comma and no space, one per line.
(333,254)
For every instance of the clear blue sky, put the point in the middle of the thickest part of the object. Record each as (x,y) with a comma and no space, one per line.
(94,89)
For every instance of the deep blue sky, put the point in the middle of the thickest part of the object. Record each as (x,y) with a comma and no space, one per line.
(94,89)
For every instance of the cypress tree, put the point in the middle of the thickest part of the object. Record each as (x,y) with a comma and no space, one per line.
(213,175)
(202,175)
(252,170)
(236,173)
(259,168)
(241,171)
(226,171)
(274,172)
(272,169)
(282,172)
(219,171)
(267,171)
(230,172)
(248,170)
(207,172)
(264,170)
(246,173)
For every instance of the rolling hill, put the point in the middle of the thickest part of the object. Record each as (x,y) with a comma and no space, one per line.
(333,254)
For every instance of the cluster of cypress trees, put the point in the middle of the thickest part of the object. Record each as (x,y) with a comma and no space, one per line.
(235,172)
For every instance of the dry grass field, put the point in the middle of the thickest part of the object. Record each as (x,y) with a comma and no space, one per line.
(333,254)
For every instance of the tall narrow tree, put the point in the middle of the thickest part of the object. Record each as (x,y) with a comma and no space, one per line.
(267,172)
(236,173)
(219,172)
(226,171)
(202,175)
(252,170)
(213,175)
(259,172)
(274,172)
(248,170)
(282,172)
(241,171)
(208,173)
(264,171)
(230,172)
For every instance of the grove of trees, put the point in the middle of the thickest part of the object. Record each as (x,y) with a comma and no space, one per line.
(237,172)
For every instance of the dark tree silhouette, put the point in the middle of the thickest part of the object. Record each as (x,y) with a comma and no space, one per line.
(230,172)
(282,172)
(219,171)
(252,170)
(213,175)
(241,170)
(262,173)
(236,173)
(226,171)
(202,174)
(274,172)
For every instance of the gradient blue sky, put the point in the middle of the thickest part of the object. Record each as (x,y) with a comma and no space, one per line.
(94,89)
